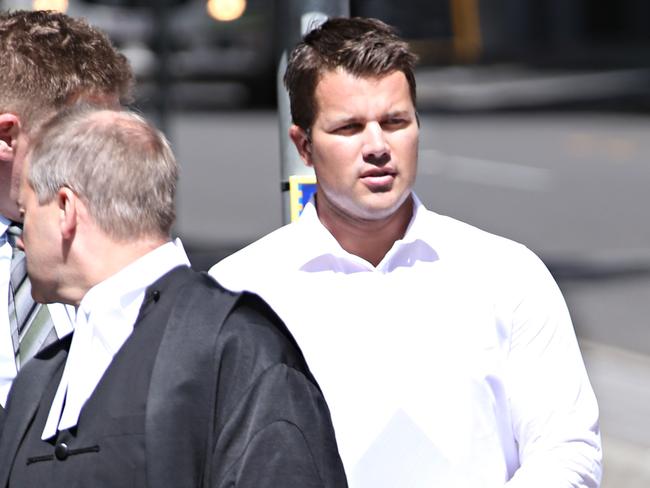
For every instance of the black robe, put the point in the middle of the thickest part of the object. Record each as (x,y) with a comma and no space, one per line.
(210,390)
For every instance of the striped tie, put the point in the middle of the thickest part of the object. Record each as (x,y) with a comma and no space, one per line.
(30,322)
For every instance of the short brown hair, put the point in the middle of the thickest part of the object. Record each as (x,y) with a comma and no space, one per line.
(48,58)
(361,46)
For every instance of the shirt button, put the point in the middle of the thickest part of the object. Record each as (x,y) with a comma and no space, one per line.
(61,451)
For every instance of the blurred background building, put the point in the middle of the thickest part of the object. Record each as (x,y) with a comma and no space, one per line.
(222,54)
(534,126)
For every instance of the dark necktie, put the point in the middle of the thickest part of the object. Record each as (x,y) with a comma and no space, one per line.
(30,322)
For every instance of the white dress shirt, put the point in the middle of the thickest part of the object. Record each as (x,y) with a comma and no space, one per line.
(105,320)
(452,363)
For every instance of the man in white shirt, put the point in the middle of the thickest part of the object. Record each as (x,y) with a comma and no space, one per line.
(168,380)
(48,60)
(446,354)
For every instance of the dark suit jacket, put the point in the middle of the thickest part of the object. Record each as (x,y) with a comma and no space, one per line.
(228,386)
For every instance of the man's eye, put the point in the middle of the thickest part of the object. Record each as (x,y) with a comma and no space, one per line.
(395,123)
(348,128)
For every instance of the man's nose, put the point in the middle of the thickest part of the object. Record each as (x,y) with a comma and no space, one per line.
(375,147)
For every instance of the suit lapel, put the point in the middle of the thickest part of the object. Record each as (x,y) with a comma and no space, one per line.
(24,399)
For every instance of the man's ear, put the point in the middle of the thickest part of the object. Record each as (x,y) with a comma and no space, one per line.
(68,203)
(9,129)
(302,141)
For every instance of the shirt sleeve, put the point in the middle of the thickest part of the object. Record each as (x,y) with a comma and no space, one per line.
(553,408)
(273,427)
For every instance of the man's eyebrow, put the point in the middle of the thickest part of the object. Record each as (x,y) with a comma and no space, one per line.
(398,113)
(344,118)
(355,118)
(351,120)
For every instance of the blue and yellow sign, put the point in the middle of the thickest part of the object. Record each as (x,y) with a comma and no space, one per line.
(301,188)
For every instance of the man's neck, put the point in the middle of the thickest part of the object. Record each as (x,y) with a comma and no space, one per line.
(370,239)
(109,257)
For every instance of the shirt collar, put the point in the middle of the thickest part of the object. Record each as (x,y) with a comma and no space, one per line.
(4,224)
(62,315)
(415,229)
(321,251)
(321,240)
(415,246)
(122,288)
(105,319)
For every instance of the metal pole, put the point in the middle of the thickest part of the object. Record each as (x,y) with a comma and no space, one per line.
(161,19)
(294,19)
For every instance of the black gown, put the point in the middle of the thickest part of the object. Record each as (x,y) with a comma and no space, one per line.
(209,390)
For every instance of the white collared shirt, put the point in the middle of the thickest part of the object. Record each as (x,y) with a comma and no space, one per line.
(104,321)
(452,363)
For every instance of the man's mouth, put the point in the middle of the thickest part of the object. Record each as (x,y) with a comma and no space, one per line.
(379,178)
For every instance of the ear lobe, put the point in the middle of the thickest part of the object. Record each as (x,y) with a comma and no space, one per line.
(302,142)
(9,129)
(67,202)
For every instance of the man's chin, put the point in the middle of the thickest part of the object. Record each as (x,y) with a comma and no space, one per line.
(11,212)
(41,300)
(40,297)
(383,208)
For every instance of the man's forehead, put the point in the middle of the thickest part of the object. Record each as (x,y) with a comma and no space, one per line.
(342,92)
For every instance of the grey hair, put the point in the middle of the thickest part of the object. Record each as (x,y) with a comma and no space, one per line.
(120,166)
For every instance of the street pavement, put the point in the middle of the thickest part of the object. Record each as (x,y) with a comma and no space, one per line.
(571,186)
